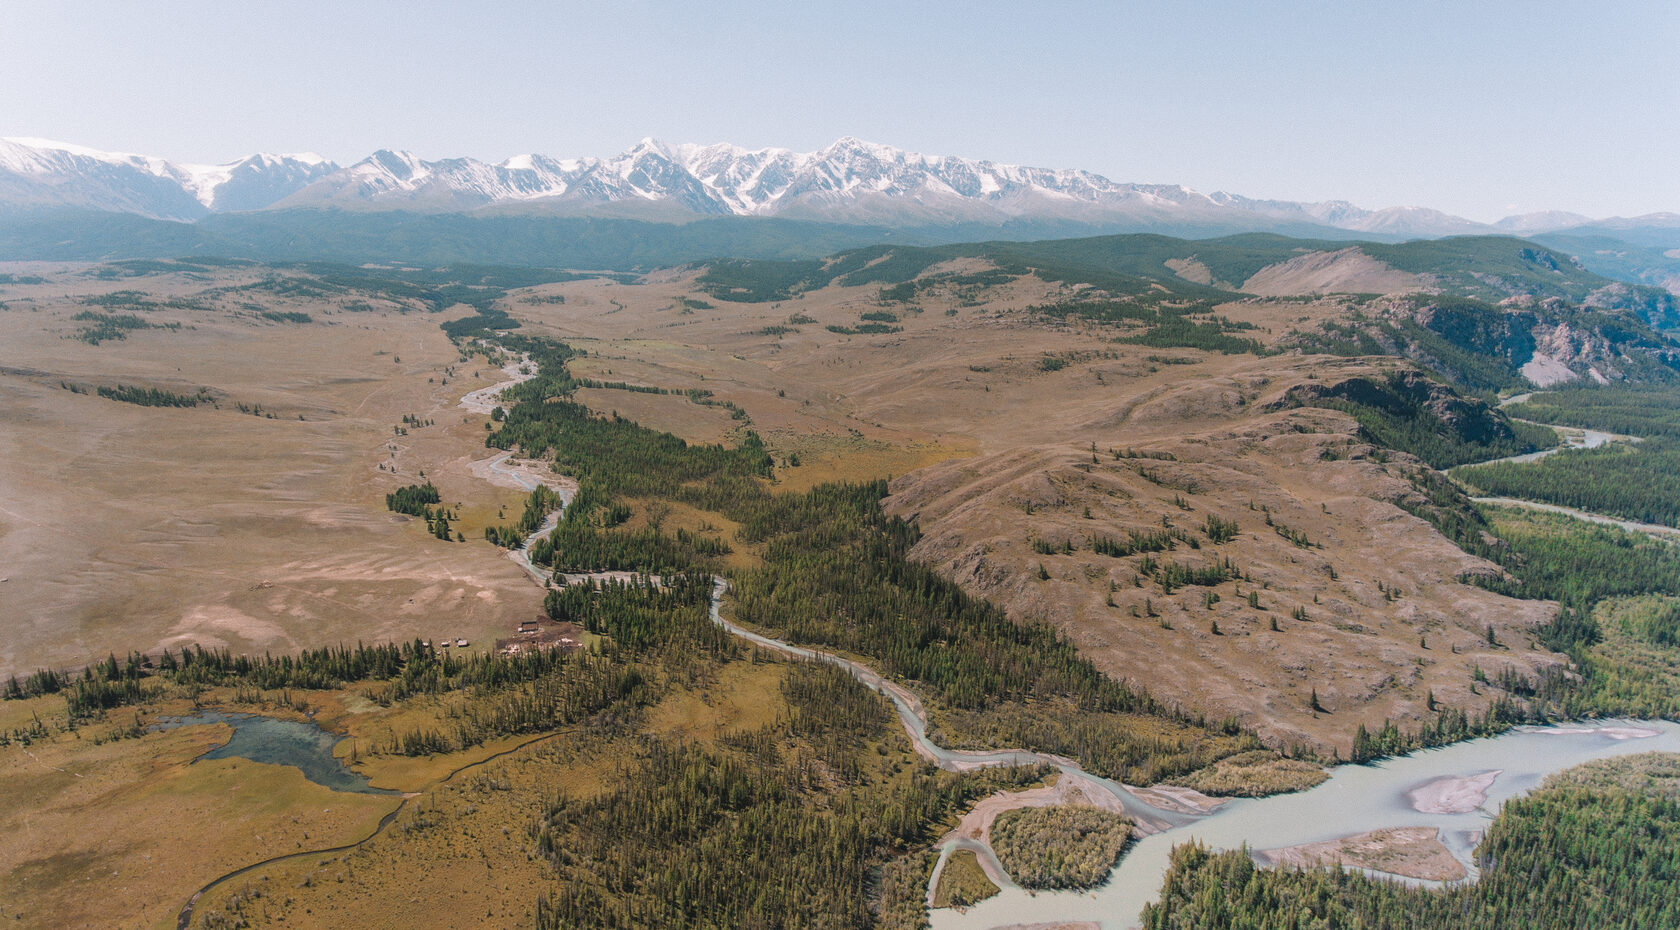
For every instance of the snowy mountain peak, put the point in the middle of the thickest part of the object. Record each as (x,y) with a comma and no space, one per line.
(268,160)
(651,146)
(71,149)
(47,173)
(849,180)
(397,165)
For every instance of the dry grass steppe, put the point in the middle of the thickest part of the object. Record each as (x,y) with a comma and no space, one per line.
(118,832)
(134,527)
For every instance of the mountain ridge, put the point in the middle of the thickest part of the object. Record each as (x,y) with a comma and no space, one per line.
(848,181)
(39,172)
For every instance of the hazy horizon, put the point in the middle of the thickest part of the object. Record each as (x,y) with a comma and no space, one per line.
(1501,109)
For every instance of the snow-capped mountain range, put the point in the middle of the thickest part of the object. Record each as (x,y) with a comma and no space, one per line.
(39,172)
(849,181)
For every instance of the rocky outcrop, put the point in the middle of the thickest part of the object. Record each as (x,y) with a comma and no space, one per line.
(1520,341)
(1407,394)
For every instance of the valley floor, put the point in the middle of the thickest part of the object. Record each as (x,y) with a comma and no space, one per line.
(1148,578)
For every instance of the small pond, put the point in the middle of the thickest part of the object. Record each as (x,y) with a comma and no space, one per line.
(303,746)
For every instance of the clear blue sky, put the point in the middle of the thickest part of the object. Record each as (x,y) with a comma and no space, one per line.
(1478,108)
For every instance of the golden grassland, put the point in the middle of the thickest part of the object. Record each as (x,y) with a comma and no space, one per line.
(670,516)
(228,528)
(743,696)
(825,458)
(95,820)
(119,832)
(459,853)
(464,851)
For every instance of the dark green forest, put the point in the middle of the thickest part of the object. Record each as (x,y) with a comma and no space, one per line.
(1632,409)
(784,826)
(412,499)
(1430,420)
(152,397)
(1640,482)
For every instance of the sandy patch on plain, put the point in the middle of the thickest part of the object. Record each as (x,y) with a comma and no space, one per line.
(212,625)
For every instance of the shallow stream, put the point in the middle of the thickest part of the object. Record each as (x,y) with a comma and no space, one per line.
(1356,799)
